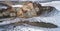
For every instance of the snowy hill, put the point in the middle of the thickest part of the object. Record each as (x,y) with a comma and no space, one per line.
(53,17)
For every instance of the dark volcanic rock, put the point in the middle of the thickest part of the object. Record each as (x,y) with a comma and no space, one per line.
(37,24)
(43,24)
(6,10)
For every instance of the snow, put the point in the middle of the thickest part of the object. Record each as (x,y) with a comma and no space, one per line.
(17,5)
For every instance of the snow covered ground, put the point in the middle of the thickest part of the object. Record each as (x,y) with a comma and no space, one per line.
(52,17)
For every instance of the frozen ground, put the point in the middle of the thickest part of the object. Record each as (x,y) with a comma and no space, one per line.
(52,17)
